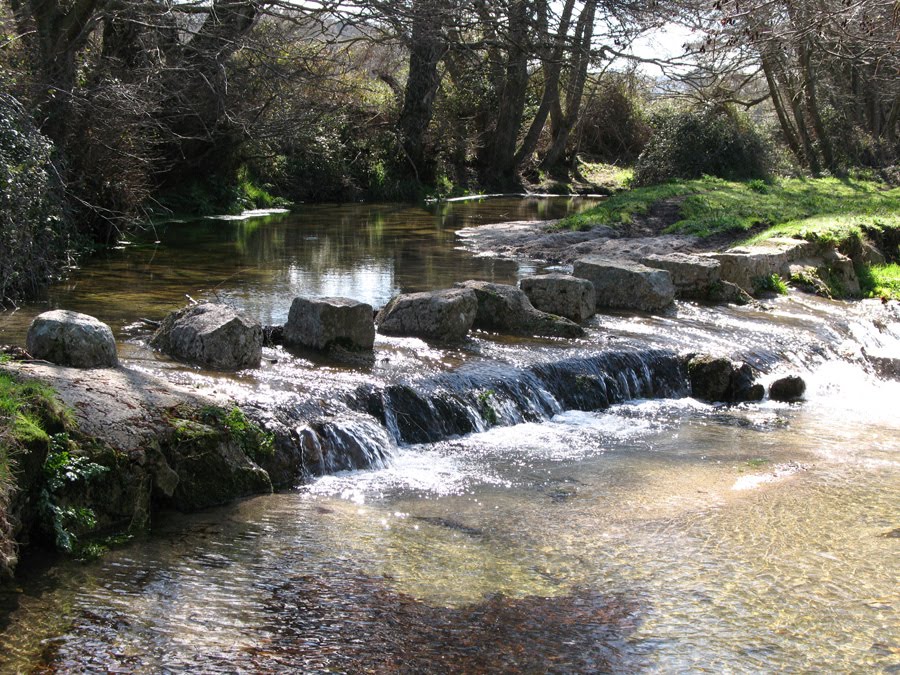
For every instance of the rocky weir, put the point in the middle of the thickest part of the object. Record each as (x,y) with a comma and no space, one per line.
(159,444)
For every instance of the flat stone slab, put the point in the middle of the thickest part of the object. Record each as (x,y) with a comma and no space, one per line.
(621,284)
(72,339)
(561,294)
(444,315)
(507,309)
(323,323)
(746,264)
(694,276)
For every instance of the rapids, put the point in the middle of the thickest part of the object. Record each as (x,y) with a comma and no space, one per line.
(537,506)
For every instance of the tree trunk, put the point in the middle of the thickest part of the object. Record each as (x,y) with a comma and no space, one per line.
(500,168)
(425,51)
(552,67)
(556,155)
(812,104)
(790,136)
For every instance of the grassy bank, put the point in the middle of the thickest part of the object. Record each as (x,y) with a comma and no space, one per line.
(711,206)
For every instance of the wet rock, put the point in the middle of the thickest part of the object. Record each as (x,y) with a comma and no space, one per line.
(323,323)
(726,292)
(627,285)
(694,276)
(507,309)
(743,265)
(444,315)
(561,294)
(717,379)
(72,339)
(885,363)
(211,335)
(790,388)
(211,466)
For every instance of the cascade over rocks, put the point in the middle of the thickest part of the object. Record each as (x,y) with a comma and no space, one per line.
(787,389)
(561,294)
(717,379)
(621,284)
(72,339)
(468,400)
(445,315)
(507,309)
(322,323)
(211,335)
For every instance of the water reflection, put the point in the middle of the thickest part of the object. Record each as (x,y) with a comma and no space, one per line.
(365,251)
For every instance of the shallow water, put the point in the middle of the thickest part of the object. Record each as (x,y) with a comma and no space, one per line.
(655,536)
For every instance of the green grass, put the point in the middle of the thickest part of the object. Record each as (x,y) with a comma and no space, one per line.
(710,206)
(608,176)
(881,281)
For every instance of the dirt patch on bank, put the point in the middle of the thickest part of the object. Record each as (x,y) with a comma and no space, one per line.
(541,241)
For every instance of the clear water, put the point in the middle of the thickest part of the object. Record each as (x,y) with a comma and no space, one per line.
(657,536)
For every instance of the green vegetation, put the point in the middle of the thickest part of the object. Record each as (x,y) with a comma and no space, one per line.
(62,469)
(881,281)
(486,407)
(212,420)
(710,206)
(689,143)
(770,284)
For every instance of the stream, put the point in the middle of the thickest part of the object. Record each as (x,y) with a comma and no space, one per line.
(605,522)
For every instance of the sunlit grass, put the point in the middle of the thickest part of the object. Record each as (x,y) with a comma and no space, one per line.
(710,206)
(881,281)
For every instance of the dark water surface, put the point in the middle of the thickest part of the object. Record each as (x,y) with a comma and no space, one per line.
(660,535)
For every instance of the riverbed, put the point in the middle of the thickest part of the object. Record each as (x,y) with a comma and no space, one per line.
(658,535)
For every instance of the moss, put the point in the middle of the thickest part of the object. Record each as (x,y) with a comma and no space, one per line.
(486,407)
(211,422)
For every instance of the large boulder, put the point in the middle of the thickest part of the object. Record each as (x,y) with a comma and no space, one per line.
(621,284)
(694,276)
(445,315)
(716,379)
(507,309)
(211,335)
(322,323)
(72,339)
(561,294)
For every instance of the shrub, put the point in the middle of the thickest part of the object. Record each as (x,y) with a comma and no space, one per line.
(36,235)
(613,126)
(689,144)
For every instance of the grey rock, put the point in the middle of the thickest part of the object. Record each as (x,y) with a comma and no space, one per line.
(627,285)
(507,309)
(211,335)
(561,294)
(322,323)
(72,339)
(790,388)
(444,315)
(726,292)
(744,265)
(720,379)
(694,276)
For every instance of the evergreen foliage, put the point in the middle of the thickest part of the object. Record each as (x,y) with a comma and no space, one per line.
(688,144)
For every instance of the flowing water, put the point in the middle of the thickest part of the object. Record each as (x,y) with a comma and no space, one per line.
(597,520)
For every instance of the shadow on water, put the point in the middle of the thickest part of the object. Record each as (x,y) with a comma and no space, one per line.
(359,624)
